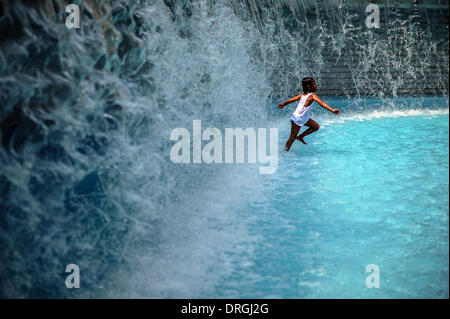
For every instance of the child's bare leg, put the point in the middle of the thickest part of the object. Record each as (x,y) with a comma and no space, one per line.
(313,126)
(294,131)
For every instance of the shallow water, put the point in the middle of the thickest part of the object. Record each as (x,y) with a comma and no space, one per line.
(368,189)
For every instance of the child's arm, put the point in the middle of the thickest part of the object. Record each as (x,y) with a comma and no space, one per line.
(281,105)
(323,104)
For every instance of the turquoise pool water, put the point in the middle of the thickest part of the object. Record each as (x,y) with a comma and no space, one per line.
(368,189)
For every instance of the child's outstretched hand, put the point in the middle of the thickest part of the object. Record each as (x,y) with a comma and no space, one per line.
(280,106)
(336,111)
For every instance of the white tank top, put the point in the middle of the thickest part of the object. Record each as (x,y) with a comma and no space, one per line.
(302,111)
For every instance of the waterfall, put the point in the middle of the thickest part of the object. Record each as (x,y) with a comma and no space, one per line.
(86,114)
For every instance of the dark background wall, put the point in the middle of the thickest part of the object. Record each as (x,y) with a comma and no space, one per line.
(426,54)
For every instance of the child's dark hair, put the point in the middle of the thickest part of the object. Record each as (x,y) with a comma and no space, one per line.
(307,84)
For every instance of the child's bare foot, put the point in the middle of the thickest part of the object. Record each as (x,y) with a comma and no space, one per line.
(286,149)
(301,140)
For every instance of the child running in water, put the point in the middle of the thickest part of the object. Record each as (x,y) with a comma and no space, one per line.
(300,117)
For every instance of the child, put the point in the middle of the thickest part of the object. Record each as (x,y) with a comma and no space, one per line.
(300,117)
